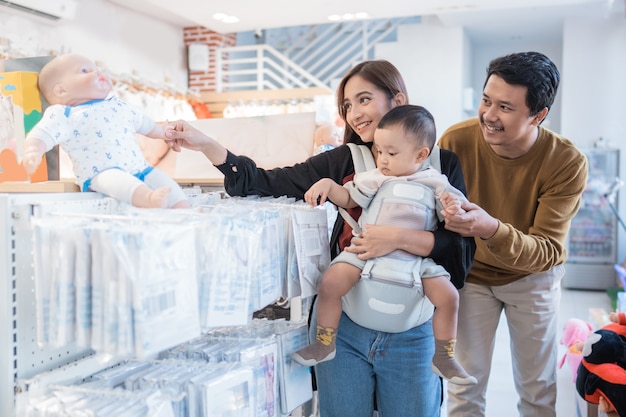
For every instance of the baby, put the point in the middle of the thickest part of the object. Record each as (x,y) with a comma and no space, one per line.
(403,141)
(97,132)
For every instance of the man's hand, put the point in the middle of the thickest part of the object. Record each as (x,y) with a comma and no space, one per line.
(474,222)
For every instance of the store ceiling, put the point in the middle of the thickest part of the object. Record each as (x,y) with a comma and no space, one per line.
(507,18)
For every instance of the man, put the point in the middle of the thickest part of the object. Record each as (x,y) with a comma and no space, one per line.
(524,183)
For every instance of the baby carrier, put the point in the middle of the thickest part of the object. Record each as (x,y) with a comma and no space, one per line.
(389,300)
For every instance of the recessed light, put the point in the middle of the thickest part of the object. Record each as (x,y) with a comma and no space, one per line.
(348,16)
(231,19)
(223,17)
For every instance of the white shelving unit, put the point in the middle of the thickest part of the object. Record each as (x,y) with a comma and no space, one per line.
(25,365)
(21,357)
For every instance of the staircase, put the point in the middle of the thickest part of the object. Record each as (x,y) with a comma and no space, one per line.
(316,57)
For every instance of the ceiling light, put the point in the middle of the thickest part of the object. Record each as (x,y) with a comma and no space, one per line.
(223,17)
(230,19)
(348,16)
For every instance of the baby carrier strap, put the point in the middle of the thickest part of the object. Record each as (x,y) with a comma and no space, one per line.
(361,157)
(363,160)
(435,158)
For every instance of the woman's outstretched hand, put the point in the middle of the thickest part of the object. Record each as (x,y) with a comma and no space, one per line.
(181,134)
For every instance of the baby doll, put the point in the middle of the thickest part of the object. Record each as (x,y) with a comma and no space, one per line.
(327,136)
(97,132)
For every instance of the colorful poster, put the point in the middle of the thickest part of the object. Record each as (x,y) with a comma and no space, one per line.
(20,110)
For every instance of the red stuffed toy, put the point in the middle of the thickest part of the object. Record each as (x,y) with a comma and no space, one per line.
(602,371)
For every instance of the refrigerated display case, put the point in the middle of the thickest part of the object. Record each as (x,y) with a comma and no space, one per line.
(592,240)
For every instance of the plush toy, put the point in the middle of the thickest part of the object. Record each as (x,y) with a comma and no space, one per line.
(575,332)
(602,371)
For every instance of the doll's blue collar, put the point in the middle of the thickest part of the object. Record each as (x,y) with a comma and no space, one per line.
(68,109)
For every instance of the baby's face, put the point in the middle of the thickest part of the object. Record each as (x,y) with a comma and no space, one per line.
(398,154)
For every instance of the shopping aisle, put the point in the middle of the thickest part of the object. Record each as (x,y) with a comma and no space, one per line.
(501,395)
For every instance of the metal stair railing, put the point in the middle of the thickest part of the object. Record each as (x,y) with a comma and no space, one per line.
(322,54)
(349,47)
(259,67)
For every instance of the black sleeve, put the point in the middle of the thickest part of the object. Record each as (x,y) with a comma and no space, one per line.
(242,177)
(452,251)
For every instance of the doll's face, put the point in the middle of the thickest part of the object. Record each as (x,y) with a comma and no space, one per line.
(79,81)
(328,135)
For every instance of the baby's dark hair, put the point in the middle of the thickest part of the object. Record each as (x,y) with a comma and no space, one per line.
(414,120)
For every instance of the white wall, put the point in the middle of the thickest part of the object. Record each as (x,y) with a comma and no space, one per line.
(594,53)
(123,41)
(430,58)
(594,89)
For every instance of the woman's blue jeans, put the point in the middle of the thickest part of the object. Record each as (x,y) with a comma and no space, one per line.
(392,367)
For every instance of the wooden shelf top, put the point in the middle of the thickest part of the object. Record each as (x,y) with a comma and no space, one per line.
(38,187)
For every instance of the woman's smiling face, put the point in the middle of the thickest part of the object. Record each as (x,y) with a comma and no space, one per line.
(365,105)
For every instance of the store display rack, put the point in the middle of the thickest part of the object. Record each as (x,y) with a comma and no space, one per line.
(28,367)
(21,357)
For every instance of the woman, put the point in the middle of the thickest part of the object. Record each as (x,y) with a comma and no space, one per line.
(394,368)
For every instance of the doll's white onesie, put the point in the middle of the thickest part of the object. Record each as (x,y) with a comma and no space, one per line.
(98,136)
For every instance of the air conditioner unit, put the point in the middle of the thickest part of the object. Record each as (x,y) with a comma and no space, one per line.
(48,9)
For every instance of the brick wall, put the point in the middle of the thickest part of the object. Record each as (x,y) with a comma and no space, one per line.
(205,81)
